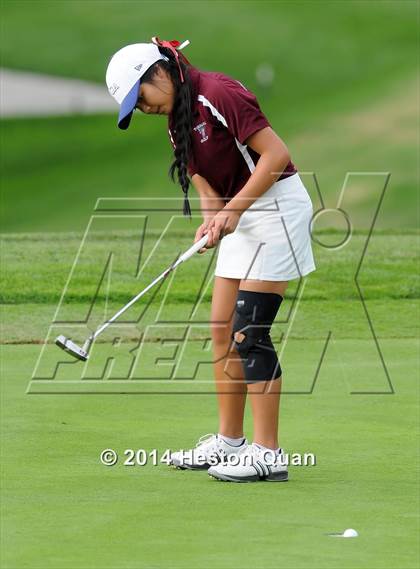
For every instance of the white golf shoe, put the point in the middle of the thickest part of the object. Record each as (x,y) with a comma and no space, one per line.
(210,450)
(251,465)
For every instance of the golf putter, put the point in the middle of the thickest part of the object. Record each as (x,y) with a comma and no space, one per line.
(82,353)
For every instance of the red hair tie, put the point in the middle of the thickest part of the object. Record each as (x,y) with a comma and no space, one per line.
(172,45)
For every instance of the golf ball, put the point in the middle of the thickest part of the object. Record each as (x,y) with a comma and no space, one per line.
(350,533)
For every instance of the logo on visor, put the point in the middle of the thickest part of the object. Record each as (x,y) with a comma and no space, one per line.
(138,67)
(113,88)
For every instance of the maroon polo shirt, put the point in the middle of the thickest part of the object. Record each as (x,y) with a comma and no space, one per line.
(225,114)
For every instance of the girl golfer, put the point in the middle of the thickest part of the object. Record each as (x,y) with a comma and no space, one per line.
(256,210)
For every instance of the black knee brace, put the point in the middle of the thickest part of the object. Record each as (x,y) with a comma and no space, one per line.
(254,315)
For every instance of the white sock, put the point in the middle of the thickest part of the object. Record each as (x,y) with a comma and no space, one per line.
(232,442)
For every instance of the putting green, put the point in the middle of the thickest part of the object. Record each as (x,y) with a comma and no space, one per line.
(62,508)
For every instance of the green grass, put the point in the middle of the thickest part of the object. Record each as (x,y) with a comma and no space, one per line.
(388,268)
(343,99)
(354,53)
(61,183)
(63,509)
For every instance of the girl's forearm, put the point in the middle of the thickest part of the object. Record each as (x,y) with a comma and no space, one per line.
(211,202)
(210,205)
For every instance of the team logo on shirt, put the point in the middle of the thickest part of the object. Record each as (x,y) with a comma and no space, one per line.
(201,128)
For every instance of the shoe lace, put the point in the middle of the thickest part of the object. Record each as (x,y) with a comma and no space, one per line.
(205,439)
(256,453)
(252,451)
(211,445)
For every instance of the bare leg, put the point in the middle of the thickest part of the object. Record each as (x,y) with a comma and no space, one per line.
(265,395)
(265,399)
(230,383)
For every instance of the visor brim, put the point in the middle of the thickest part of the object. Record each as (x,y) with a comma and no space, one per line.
(127,106)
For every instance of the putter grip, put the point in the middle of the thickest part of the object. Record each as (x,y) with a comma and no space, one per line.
(196,247)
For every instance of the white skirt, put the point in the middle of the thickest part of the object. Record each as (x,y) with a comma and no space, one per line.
(272,240)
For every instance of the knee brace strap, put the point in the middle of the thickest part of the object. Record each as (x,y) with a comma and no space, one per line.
(254,315)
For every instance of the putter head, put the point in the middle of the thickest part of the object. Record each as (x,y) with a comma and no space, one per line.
(71,348)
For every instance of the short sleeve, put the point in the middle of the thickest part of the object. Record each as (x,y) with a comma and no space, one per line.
(237,108)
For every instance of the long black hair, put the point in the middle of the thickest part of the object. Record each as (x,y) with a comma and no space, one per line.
(181,116)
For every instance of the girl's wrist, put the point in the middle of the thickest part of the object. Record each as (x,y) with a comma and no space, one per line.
(234,207)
